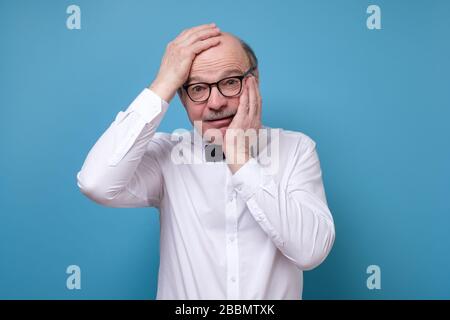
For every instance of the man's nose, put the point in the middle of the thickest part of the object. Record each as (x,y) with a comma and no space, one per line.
(216,100)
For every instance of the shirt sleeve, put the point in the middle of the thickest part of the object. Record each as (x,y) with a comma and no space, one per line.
(114,173)
(294,214)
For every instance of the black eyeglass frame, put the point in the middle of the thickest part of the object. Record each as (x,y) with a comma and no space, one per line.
(210,85)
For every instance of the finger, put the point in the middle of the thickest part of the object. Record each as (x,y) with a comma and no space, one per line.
(187,32)
(252,97)
(201,35)
(241,112)
(259,105)
(258,100)
(243,102)
(205,44)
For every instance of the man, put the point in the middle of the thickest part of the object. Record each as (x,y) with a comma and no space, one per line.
(230,229)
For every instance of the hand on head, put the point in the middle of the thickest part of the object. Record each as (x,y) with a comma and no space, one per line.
(178,58)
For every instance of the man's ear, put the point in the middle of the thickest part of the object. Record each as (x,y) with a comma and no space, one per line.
(180,95)
(256,74)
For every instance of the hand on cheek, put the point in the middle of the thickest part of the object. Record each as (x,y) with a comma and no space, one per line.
(244,127)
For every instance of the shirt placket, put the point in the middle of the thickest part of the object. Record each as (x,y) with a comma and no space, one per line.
(232,249)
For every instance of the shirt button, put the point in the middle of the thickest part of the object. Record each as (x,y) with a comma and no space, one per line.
(231,238)
(233,279)
(239,188)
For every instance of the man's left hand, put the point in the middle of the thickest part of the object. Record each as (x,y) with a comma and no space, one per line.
(248,117)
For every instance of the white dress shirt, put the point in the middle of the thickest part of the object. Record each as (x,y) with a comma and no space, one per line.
(246,235)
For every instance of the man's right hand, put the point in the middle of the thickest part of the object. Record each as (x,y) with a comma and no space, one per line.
(177,60)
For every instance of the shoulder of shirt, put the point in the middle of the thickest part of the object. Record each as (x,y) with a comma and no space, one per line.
(161,140)
(297,138)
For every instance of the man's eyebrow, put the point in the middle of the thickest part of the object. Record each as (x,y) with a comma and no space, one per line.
(222,75)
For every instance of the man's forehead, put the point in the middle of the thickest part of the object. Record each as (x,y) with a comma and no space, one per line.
(211,76)
(226,57)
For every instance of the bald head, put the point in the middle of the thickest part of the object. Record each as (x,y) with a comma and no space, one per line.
(231,53)
(229,48)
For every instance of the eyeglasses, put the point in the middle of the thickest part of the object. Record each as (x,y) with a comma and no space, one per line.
(228,87)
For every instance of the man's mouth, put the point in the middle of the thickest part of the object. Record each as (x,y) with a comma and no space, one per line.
(221,122)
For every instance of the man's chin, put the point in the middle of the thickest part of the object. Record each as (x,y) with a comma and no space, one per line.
(223,130)
(212,133)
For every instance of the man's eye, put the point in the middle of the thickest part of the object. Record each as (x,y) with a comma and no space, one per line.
(231,82)
(197,88)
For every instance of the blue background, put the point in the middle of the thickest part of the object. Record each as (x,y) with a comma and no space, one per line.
(375,101)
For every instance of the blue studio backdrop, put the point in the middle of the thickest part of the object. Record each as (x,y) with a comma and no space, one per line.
(376,101)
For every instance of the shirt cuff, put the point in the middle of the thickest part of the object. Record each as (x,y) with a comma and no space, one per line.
(251,178)
(147,109)
(148,105)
